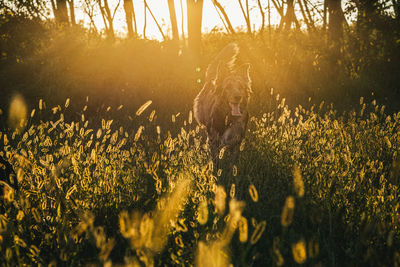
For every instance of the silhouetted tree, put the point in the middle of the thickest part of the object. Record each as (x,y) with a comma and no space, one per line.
(130,17)
(108,17)
(60,11)
(32,9)
(290,16)
(174,24)
(72,12)
(154,18)
(279,8)
(246,15)
(396,8)
(335,29)
(89,10)
(225,19)
(262,15)
(305,11)
(336,20)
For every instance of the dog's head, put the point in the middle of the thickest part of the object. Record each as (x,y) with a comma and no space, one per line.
(234,87)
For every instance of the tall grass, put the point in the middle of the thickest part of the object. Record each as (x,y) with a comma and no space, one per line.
(311,187)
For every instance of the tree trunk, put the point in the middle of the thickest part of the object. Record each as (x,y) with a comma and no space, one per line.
(262,15)
(396,7)
(108,19)
(310,17)
(306,15)
(72,12)
(325,16)
(145,22)
(335,28)
(174,23)
(182,22)
(60,11)
(129,16)
(194,15)
(289,18)
(279,9)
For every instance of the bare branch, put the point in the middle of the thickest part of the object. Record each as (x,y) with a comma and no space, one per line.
(246,18)
(154,18)
(228,22)
(262,15)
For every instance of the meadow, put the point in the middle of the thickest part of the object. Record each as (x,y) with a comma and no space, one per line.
(113,170)
(312,187)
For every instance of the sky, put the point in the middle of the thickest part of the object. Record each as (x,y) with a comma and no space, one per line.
(161,12)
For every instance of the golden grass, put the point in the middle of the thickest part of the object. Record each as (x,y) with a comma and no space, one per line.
(143,197)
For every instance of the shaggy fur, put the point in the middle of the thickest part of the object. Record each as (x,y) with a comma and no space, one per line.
(221,106)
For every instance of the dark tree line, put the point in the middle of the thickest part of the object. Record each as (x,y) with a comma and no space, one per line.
(326,16)
(293,13)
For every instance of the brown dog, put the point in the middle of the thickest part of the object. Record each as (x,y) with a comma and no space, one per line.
(221,106)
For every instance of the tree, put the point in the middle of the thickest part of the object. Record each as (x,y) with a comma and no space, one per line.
(89,7)
(146,6)
(174,23)
(335,27)
(279,8)
(336,19)
(289,18)
(60,11)
(396,7)
(262,15)
(130,17)
(194,15)
(72,12)
(182,22)
(108,17)
(306,15)
(31,9)
(246,15)
(225,20)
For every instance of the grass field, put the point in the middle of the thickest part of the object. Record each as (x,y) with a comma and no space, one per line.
(313,186)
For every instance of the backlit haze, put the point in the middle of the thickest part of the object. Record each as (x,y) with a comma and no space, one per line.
(211,20)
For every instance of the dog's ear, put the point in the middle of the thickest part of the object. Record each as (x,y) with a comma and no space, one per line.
(244,71)
(222,72)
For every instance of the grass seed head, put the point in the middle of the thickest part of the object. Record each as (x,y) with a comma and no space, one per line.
(299,252)
(288,211)
(17,114)
(298,181)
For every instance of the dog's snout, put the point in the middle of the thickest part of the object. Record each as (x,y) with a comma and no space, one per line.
(237,98)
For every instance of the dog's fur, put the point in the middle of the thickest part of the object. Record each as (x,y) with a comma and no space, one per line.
(221,106)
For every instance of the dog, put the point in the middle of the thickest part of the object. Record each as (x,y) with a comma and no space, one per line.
(221,105)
